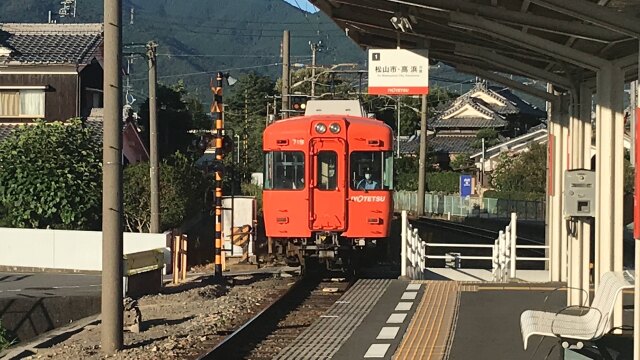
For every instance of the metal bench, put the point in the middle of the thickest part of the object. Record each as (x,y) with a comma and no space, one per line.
(577,324)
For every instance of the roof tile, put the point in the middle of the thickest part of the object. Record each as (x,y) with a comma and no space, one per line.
(50,43)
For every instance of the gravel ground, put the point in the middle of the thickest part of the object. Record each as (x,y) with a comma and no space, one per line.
(180,323)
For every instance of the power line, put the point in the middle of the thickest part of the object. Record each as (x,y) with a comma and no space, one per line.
(192,20)
(213,71)
(233,55)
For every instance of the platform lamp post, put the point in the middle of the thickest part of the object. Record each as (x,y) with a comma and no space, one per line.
(217,117)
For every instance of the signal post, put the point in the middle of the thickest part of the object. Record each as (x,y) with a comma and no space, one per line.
(218,167)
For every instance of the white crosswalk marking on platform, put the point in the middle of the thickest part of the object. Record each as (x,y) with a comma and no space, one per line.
(396,318)
(414,287)
(404,306)
(377,350)
(409,295)
(388,333)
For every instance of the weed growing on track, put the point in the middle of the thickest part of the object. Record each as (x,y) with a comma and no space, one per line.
(5,339)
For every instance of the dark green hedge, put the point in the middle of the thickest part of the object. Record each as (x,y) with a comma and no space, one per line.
(446,182)
(512,195)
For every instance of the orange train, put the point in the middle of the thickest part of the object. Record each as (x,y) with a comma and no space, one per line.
(328,184)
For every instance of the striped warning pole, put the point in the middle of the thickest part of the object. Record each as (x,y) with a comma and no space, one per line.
(218,126)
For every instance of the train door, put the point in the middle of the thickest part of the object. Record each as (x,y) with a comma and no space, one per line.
(328,169)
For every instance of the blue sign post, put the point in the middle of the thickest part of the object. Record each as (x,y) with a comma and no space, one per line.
(466,185)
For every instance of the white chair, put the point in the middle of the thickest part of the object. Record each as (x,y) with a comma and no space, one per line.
(590,324)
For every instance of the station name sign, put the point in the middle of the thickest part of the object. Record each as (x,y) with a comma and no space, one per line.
(398,72)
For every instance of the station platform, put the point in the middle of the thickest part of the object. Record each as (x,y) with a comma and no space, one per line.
(437,319)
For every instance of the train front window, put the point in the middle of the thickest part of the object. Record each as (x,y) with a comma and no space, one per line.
(284,170)
(327,170)
(371,170)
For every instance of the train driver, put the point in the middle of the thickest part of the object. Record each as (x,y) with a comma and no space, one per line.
(367,183)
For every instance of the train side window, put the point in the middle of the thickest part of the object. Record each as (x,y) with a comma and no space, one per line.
(371,170)
(387,171)
(284,170)
(327,170)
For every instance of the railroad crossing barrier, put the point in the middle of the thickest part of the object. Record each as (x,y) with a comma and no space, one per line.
(503,252)
(142,272)
(413,251)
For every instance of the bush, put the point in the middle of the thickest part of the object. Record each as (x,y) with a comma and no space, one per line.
(513,195)
(406,173)
(446,182)
(182,192)
(51,176)
(525,172)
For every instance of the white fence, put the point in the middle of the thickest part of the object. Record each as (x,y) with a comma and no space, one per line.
(69,250)
(413,263)
(503,256)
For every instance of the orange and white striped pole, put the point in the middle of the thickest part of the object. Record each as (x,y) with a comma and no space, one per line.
(218,126)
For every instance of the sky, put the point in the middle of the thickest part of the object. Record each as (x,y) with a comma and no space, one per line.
(303,4)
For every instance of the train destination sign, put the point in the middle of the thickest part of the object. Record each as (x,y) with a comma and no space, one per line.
(398,72)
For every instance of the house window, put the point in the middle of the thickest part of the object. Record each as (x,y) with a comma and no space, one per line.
(22,103)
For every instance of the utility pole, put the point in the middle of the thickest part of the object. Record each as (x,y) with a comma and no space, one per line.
(217,110)
(315,47)
(111,336)
(153,138)
(285,74)
(423,156)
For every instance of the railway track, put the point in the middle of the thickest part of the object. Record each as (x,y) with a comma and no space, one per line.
(482,236)
(470,230)
(270,331)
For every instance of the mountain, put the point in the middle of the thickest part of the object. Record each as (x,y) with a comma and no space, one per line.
(199,37)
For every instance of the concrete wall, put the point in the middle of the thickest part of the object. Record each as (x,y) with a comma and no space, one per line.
(28,317)
(68,250)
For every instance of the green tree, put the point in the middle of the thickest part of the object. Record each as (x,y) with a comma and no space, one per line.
(51,176)
(246,116)
(406,169)
(178,112)
(490,136)
(525,172)
(462,162)
(328,85)
(385,108)
(182,193)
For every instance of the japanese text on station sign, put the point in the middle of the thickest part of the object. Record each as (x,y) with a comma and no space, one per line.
(398,71)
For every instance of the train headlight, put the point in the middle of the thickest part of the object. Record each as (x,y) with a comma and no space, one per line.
(321,128)
(334,128)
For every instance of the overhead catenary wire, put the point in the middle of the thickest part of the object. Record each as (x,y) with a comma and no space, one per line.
(233,55)
(214,71)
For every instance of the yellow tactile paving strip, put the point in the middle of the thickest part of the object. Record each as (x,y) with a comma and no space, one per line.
(428,334)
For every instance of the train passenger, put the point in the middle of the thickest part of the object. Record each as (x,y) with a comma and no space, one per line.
(367,183)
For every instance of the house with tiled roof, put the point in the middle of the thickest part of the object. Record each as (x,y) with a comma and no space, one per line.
(454,130)
(54,72)
(49,71)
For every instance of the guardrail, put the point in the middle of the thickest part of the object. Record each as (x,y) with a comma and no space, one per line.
(503,252)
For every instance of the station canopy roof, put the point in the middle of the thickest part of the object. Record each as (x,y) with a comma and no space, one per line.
(558,41)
